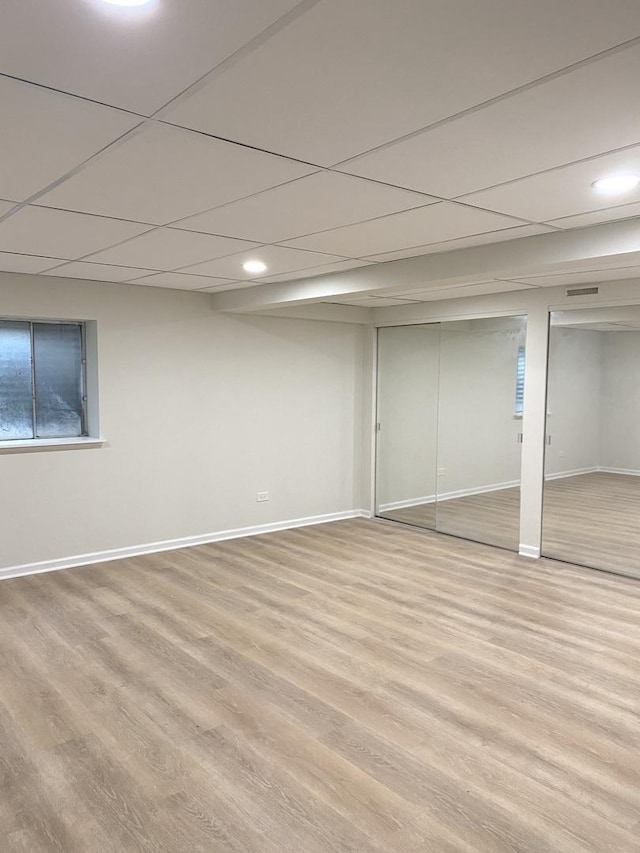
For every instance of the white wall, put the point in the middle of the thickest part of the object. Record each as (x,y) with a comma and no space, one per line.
(594,400)
(200,411)
(620,444)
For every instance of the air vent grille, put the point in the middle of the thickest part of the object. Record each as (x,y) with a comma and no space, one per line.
(582,291)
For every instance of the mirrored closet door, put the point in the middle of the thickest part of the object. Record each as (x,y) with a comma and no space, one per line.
(480,428)
(449,425)
(407,422)
(591,507)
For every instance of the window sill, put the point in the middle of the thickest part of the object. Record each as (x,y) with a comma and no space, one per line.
(34,445)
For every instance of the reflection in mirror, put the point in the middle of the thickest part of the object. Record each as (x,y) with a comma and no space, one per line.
(591,510)
(479,429)
(407,421)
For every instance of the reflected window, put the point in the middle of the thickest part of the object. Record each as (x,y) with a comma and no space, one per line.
(520,381)
(42,380)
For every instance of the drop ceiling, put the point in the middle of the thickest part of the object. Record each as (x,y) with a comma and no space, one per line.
(164,146)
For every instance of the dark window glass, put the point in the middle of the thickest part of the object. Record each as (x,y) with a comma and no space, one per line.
(41,380)
(58,379)
(16,402)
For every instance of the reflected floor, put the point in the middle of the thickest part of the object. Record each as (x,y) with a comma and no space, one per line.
(492,517)
(590,519)
(422,515)
(594,519)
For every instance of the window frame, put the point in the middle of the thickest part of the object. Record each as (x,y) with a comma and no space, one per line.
(90,436)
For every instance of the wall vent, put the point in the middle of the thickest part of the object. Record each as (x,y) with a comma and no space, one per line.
(582,291)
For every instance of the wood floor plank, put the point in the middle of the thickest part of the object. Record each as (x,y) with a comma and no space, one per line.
(355,687)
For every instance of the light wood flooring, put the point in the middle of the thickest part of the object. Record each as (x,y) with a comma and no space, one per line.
(589,519)
(356,687)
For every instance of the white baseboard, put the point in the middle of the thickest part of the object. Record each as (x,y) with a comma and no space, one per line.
(448,496)
(596,469)
(173,544)
(574,473)
(428,499)
(532,551)
(496,487)
(478,490)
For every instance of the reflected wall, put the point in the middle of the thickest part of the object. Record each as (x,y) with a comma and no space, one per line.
(407,423)
(479,429)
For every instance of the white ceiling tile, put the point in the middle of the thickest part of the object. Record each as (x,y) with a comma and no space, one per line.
(45,134)
(134,58)
(387,69)
(25,263)
(314,203)
(61,234)
(463,242)
(345,77)
(510,139)
(584,277)
(166,249)
(94,272)
(180,281)
(324,269)
(432,224)
(562,192)
(609,214)
(278,260)
(162,173)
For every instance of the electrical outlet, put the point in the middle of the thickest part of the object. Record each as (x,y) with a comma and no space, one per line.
(440,472)
(262,496)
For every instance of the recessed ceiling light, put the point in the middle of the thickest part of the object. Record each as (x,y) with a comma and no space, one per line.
(616,184)
(127,2)
(254,266)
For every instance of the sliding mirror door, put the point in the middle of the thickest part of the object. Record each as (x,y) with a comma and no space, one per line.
(591,508)
(480,428)
(407,418)
(449,425)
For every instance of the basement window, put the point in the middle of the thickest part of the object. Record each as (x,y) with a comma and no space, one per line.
(43,383)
